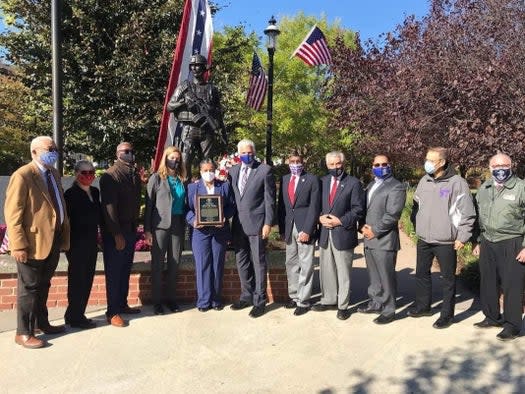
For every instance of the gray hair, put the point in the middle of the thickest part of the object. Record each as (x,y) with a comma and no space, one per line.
(246,142)
(79,164)
(37,141)
(335,153)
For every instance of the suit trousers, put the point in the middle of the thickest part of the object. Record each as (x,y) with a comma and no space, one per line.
(250,256)
(168,241)
(335,267)
(34,281)
(381,266)
(117,268)
(498,266)
(299,269)
(446,256)
(82,259)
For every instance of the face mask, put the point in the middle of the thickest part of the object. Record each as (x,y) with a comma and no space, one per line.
(247,158)
(208,176)
(172,164)
(127,157)
(86,180)
(296,169)
(49,158)
(430,168)
(335,172)
(502,174)
(382,172)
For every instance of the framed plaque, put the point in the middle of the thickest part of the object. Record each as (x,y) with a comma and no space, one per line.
(208,209)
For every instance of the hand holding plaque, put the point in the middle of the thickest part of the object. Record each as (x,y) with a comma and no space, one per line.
(208,210)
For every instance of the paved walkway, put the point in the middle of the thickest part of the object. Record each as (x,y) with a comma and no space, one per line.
(228,352)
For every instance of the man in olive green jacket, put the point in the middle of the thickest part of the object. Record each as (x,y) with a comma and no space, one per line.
(501,204)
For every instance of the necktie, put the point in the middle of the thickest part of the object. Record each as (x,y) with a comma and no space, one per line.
(291,190)
(333,191)
(53,195)
(244,179)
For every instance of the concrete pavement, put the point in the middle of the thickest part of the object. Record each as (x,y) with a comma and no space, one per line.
(228,352)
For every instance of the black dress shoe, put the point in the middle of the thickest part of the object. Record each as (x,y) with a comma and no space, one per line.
(84,325)
(205,309)
(487,323)
(442,322)
(158,309)
(237,306)
(323,307)
(369,309)
(172,306)
(130,311)
(419,312)
(343,314)
(52,330)
(508,334)
(290,304)
(300,310)
(257,311)
(382,319)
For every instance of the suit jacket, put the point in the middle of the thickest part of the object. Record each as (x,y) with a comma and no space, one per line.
(84,215)
(304,212)
(348,205)
(158,204)
(30,215)
(383,213)
(256,207)
(228,206)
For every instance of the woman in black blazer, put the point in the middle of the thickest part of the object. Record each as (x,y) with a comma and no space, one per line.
(83,208)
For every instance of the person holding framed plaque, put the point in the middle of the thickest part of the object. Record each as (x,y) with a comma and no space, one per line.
(210,205)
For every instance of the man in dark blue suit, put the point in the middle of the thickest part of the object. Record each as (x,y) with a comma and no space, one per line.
(299,207)
(342,207)
(254,189)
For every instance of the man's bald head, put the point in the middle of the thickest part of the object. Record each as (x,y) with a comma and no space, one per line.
(500,160)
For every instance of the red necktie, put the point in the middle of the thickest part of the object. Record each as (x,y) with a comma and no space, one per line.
(291,189)
(332,192)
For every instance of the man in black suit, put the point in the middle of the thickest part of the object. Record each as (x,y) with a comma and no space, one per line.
(385,201)
(254,189)
(299,207)
(342,207)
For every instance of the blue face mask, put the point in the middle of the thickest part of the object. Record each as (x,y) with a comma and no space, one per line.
(49,158)
(430,168)
(382,172)
(247,158)
(502,174)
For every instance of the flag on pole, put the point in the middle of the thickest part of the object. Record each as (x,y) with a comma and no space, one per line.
(195,37)
(258,84)
(314,49)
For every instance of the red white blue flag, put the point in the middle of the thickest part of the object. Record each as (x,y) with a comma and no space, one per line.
(195,37)
(258,84)
(314,49)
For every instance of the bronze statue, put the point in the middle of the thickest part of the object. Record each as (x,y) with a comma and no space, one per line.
(196,106)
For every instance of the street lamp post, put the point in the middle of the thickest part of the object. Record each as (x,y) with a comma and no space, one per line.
(271,32)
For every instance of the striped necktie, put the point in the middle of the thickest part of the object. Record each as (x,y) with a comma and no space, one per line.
(244,179)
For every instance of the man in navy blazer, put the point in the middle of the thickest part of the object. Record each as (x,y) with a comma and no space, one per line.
(342,207)
(298,212)
(254,189)
(385,202)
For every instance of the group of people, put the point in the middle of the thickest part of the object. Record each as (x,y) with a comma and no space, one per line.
(329,212)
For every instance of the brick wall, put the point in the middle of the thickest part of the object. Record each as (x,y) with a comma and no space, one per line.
(140,288)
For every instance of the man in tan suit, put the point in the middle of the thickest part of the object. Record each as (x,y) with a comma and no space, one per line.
(36,218)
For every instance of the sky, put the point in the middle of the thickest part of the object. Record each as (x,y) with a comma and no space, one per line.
(368,17)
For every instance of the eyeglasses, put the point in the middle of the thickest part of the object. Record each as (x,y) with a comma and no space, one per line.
(380,165)
(126,151)
(90,172)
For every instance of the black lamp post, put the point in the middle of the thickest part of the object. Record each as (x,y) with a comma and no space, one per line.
(271,32)
(56,38)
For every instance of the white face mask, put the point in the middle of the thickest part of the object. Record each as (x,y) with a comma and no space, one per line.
(208,176)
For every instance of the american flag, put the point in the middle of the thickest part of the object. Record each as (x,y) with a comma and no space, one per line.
(258,84)
(314,49)
(195,37)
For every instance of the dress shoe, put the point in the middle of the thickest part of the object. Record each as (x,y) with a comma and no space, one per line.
(343,314)
(237,306)
(52,330)
(205,309)
(369,309)
(117,321)
(84,324)
(218,307)
(300,310)
(291,304)
(487,323)
(382,319)
(172,306)
(442,322)
(158,309)
(29,341)
(130,311)
(508,334)
(414,312)
(323,307)
(257,311)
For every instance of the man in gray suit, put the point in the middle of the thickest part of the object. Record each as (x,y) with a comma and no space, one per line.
(385,201)
(254,189)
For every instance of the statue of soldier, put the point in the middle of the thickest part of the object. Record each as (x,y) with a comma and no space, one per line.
(196,105)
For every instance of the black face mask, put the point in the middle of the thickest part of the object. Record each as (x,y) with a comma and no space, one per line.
(127,157)
(336,172)
(172,164)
